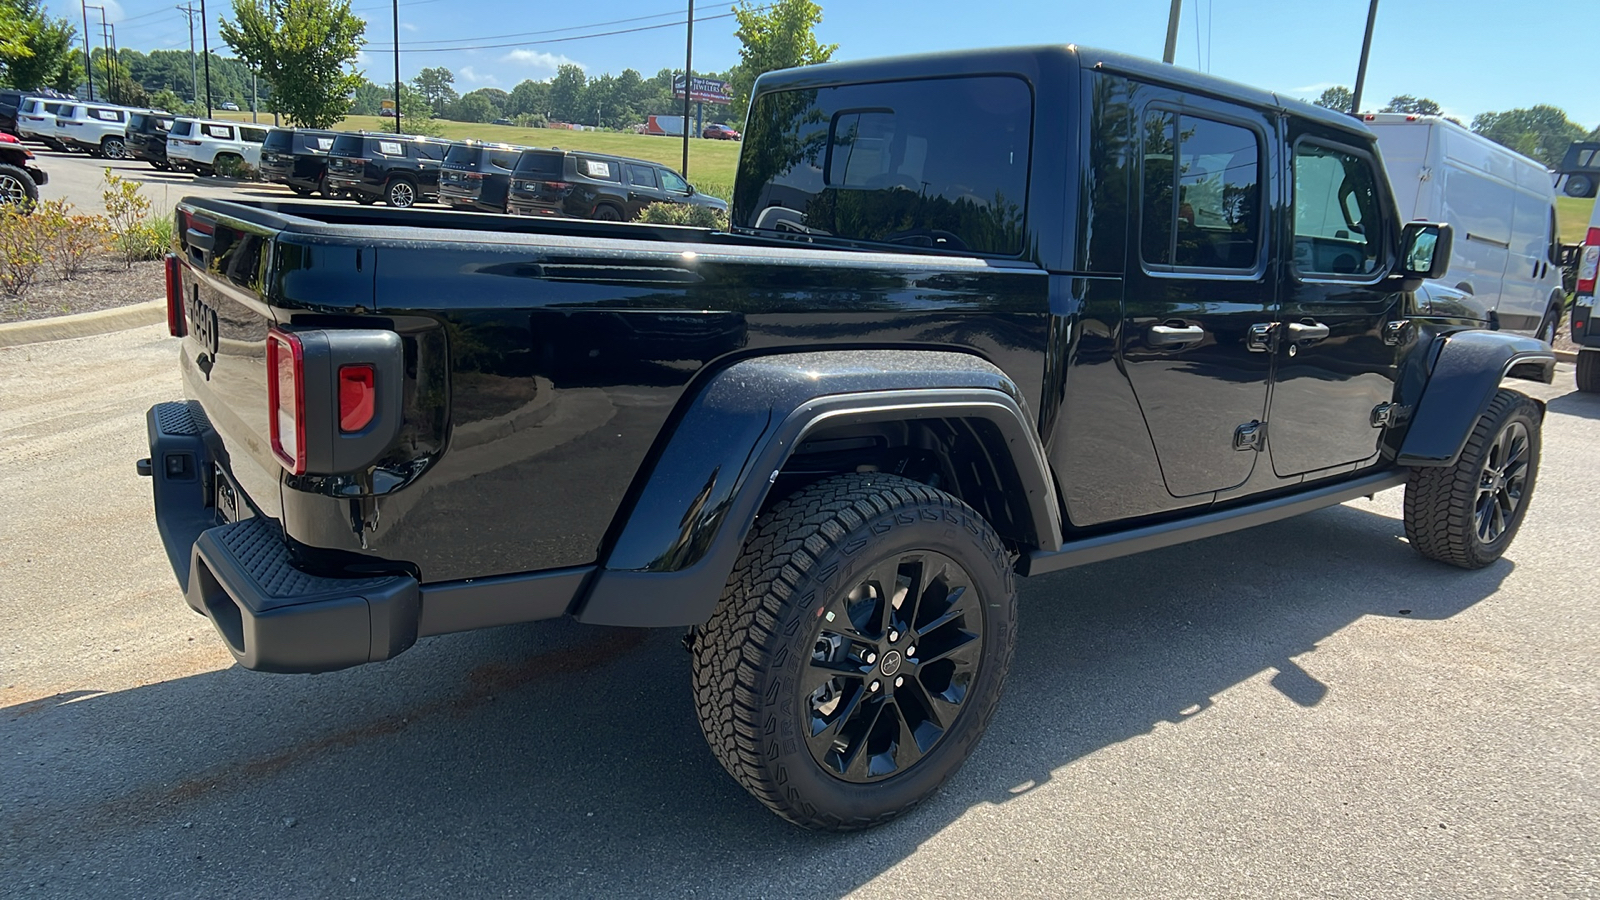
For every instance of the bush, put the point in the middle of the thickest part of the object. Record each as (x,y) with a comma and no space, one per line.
(69,239)
(722,190)
(126,212)
(530,120)
(22,250)
(684,214)
(229,166)
(151,239)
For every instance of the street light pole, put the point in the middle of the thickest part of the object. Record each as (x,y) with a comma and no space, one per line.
(688,87)
(1361,71)
(1172,32)
(189,12)
(88,55)
(397,67)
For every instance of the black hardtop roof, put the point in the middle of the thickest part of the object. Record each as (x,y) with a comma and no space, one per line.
(1046,58)
(294,130)
(605,156)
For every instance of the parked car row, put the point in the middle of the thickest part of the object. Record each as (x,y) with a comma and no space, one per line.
(403,170)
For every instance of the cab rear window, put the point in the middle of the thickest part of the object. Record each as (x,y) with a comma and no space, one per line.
(937,164)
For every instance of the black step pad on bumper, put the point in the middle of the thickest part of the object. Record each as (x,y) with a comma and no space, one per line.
(276,618)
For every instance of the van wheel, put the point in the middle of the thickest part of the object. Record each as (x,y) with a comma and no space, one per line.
(1550,324)
(113,148)
(1589,371)
(607,213)
(17,188)
(1467,514)
(401,194)
(858,651)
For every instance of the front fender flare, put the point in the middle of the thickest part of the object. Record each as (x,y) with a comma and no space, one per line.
(677,541)
(1466,374)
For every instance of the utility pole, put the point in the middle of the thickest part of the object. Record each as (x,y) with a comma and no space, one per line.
(88,55)
(102,11)
(253,103)
(1361,71)
(116,64)
(397,129)
(189,12)
(1172,32)
(205,47)
(688,87)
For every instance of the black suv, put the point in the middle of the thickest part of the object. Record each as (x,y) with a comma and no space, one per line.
(595,186)
(399,169)
(147,137)
(9,101)
(477,175)
(298,158)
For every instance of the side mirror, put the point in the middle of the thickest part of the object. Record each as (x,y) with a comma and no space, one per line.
(1425,249)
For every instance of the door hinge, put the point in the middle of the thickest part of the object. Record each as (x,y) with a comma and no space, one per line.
(1250,436)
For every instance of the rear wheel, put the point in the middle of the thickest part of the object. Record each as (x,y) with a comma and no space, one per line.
(859,650)
(1551,323)
(1467,514)
(113,148)
(17,187)
(1579,186)
(607,213)
(401,193)
(1589,371)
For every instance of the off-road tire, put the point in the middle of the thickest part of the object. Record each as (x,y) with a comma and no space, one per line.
(749,657)
(17,186)
(1589,371)
(1442,502)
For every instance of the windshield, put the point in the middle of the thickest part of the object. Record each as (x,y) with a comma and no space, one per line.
(279,140)
(936,164)
(540,164)
(462,156)
(346,145)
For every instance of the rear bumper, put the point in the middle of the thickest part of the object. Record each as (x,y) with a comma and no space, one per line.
(39,176)
(524,208)
(272,616)
(1585,326)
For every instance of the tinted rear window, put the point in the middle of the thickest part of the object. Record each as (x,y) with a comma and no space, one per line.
(544,164)
(346,145)
(279,140)
(181,128)
(938,164)
(462,156)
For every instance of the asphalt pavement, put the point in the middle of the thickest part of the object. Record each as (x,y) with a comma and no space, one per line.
(79,178)
(1306,709)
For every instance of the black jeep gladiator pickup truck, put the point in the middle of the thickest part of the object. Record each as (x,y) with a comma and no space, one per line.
(979,315)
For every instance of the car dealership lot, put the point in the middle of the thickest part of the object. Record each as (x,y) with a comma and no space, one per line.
(1304,709)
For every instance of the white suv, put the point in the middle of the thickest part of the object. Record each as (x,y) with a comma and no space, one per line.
(98,128)
(196,145)
(36,120)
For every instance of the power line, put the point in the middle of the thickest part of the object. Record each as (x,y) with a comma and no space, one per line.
(568,28)
(562,40)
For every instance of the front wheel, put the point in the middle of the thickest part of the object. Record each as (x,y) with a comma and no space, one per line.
(1467,514)
(858,651)
(17,188)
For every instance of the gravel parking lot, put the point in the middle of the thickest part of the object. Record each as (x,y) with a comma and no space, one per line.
(1305,709)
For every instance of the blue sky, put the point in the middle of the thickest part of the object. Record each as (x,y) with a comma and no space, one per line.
(1469,55)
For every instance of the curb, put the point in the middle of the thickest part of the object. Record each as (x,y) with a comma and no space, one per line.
(101,321)
(1570,356)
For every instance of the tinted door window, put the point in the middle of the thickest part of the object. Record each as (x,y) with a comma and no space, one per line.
(253,135)
(1202,193)
(673,183)
(220,132)
(928,164)
(1337,227)
(642,176)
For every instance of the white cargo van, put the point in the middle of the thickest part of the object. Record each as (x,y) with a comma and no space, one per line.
(1502,205)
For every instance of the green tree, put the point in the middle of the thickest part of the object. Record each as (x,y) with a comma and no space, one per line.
(529,97)
(416,113)
(1337,98)
(36,50)
(567,94)
(775,36)
(303,49)
(1541,132)
(474,107)
(1416,106)
(435,86)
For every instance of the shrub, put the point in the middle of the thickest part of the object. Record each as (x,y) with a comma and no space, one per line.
(126,211)
(22,250)
(151,239)
(69,239)
(230,166)
(723,190)
(530,120)
(684,214)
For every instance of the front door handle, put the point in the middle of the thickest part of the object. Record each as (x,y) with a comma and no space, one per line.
(1172,335)
(1303,331)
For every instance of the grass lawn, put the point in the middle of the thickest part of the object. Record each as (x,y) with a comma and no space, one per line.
(711,163)
(1572,216)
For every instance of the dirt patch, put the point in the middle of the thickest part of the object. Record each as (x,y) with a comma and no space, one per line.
(105,283)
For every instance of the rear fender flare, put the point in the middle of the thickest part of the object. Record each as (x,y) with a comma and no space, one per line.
(674,546)
(1469,369)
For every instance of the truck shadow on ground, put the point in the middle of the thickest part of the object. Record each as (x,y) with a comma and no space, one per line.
(564,761)
(1584,406)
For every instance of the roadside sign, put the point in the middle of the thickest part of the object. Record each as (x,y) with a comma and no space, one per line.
(706,90)
(386,104)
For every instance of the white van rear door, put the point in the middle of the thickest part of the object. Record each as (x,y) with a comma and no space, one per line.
(1524,291)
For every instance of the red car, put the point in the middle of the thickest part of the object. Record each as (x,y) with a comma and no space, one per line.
(719,133)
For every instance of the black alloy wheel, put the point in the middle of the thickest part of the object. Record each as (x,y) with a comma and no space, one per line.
(895,657)
(1504,482)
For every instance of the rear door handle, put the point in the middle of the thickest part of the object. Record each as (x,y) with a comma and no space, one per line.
(1301,331)
(1171,335)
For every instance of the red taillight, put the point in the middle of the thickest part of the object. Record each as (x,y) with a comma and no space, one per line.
(1589,262)
(177,326)
(286,399)
(474,176)
(358,397)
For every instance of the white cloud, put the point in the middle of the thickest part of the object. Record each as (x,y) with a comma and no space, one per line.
(407,26)
(545,63)
(471,75)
